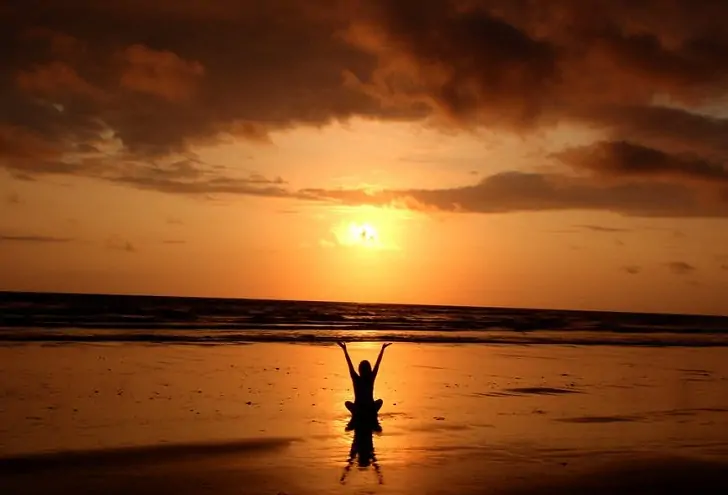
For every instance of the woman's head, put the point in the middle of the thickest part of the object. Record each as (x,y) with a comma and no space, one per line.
(365,368)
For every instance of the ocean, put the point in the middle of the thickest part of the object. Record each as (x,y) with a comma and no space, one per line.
(126,318)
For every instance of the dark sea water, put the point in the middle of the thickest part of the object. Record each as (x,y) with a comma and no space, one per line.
(112,318)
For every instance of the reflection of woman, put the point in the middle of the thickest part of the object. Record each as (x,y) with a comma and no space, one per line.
(363,384)
(362,448)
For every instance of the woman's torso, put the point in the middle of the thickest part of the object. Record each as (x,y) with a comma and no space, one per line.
(363,390)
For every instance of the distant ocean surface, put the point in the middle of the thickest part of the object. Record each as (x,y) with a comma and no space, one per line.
(47,317)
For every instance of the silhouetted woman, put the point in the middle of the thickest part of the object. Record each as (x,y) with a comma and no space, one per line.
(363,382)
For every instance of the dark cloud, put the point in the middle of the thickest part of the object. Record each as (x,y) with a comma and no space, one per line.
(461,59)
(516,63)
(160,73)
(54,78)
(33,238)
(517,191)
(724,267)
(602,228)
(149,82)
(174,241)
(110,90)
(635,49)
(602,63)
(622,158)
(12,199)
(671,129)
(680,267)
(632,269)
(162,78)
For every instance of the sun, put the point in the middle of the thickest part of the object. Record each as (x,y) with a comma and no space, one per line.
(363,235)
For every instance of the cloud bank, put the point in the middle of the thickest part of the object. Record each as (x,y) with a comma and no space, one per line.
(124,90)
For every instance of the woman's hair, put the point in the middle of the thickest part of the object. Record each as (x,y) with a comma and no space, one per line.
(365,368)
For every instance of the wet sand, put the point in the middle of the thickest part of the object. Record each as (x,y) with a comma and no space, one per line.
(269,418)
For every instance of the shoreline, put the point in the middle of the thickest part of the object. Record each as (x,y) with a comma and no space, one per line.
(184,336)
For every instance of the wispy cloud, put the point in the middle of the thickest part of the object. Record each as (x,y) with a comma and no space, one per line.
(561,231)
(680,267)
(632,269)
(601,228)
(33,238)
(174,241)
(201,182)
(677,234)
(118,244)
(519,192)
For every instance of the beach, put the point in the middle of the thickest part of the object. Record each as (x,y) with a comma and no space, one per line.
(269,418)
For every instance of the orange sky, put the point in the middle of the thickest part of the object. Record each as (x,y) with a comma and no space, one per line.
(489,155)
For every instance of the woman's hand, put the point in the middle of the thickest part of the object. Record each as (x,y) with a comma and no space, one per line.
(342,345)
(384,346)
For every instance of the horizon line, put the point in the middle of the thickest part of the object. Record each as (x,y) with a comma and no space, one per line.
(323,301)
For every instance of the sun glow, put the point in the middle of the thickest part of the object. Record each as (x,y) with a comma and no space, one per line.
(369,231)
(363,235)
(354,234)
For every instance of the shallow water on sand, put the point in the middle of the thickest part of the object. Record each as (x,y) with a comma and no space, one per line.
(456,418)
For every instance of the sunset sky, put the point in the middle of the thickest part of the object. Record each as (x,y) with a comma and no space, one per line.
(558,154)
